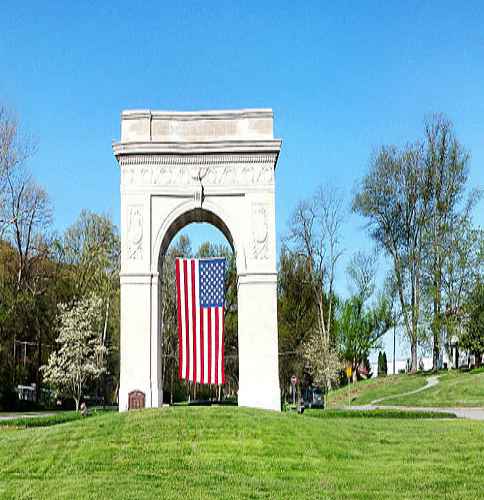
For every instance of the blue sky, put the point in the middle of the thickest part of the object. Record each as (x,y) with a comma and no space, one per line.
(341,77)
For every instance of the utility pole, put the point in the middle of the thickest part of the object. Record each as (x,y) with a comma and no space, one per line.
(394,328)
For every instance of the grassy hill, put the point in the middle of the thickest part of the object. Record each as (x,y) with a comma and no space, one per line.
(455,389)
(240,453)
(460,389)
(366,391)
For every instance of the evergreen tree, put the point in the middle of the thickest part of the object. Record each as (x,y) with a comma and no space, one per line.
(384,364)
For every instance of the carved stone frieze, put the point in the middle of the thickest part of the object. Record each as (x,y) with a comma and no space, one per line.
(183,170)
(135,232)
(260,231)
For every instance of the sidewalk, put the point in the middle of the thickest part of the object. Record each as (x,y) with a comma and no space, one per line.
(469,413)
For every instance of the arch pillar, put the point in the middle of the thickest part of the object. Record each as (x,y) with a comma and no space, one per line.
(258,343)
(178,168)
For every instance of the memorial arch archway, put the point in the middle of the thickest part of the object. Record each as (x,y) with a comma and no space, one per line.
(178,168)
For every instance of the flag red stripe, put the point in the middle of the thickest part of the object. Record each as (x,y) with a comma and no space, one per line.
(216,312)
(187,322)
(194,324)
(202,348)
(222,330)
(209,323)
(177,267)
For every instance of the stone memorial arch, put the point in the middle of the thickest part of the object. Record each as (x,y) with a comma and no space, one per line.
(182,167)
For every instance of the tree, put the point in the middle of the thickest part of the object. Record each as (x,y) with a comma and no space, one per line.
(394,199)
(169,318)
(296,313)
(360,329)
(89,252)
(382,364)
(15,150)
(314,234)
(80,357)
(462,269)
(472,336)
(446,165)
(414,200)
(324,364)
(25,221)
(361,272)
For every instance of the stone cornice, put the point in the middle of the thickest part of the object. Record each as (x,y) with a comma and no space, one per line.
(228,114)
(167,148)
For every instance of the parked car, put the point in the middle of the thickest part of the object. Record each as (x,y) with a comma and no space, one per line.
(313,397)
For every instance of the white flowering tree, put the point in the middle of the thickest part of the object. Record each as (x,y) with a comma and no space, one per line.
(81,355)
(323,360)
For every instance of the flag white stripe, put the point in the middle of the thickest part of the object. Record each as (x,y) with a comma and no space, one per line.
(183,322)
(196,328)
(212,317)
(205,345)
(190,325)
(219,368)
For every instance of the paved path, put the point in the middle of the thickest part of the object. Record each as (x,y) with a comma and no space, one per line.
(469,413)
(431,382)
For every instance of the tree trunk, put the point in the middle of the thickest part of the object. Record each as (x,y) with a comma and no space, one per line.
(39,360)
(477,359)
(413,349)
(171,387)
(436,323)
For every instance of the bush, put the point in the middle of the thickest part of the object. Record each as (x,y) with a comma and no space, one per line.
(8,397)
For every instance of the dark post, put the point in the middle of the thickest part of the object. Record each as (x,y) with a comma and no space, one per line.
(394,328)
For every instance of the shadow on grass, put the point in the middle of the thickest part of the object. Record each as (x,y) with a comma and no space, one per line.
(48,420)
(206,402)
(380,413)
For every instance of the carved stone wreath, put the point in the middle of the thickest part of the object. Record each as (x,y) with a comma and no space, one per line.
(260,231)
(135,232)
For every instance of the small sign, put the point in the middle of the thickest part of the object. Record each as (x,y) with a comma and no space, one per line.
(349,371)
(136,400)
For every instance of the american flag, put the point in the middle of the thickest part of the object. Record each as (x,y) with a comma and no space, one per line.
(200,297)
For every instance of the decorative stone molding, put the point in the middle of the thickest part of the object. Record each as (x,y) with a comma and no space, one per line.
(183,170)
(197,160)
(260,231)
(135,232)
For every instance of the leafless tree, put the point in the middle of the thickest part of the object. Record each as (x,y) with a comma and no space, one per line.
(14,151)
(315,234)
(30,215)
(361,272)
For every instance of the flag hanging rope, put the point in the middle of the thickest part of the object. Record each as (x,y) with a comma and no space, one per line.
(200,304)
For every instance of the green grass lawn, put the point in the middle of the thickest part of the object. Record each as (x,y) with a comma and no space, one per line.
(216,452)
(454,389)
(365,391)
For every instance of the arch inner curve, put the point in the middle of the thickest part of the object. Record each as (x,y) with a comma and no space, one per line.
(189,217)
